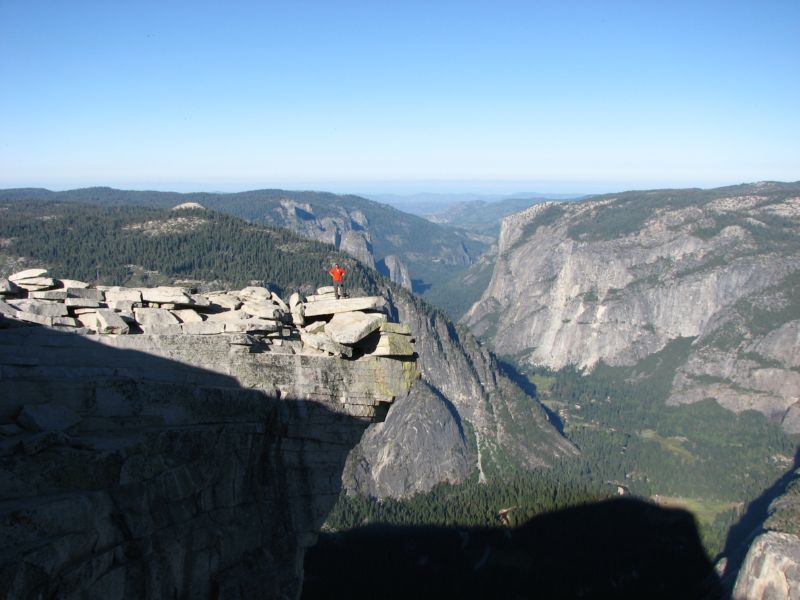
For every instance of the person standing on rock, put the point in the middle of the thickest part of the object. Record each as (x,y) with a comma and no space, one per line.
(337,273)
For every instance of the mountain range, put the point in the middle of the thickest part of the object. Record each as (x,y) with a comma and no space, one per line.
(620,278)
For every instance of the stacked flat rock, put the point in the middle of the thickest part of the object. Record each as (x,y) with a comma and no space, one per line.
(318,324)
(346,325)
(34,297)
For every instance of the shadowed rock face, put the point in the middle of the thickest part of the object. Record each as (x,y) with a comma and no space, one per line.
(615,549)
(763,549)
(171,466)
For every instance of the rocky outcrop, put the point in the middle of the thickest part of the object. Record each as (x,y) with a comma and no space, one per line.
(617,278)
(173,463)
(771,567)
(464,417)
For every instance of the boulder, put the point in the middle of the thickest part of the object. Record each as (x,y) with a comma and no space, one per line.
(42,308)
(200,300)
(36,283)
(47,417)
(228,315)
(8,288)
(318,297)
(120,294)
(352,327)
(81,303)
(251,326)
(48,295)
(150,317)
(279,301)
(122,305)
(72,283)
(229,301)
(107,321)
(85,293)
(27,274)
(320,341)
(88,320)
(326,289)
(393,344)
(187,315)
(316,327)
(264,309)
(255,292)
(294,300)
(166,295)
(331,307)
(299,315)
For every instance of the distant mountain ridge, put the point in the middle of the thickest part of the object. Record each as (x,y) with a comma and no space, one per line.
(618,278)
(407,248)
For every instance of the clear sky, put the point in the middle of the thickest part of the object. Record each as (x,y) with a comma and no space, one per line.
(401,96)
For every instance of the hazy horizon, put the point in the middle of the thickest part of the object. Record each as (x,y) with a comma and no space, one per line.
(364,98)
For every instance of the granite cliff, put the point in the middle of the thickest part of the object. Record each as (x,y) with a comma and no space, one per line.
(617,278)
(464,416)
(767,564)
(149,450)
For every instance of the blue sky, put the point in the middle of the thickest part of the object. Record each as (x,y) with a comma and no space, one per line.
(398,96)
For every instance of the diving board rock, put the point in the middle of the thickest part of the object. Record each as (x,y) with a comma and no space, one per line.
(332,307)
(352,327)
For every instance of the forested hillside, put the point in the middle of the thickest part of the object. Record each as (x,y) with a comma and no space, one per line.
(134,245)
(369,231)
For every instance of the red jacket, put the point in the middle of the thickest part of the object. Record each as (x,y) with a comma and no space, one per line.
(337,273)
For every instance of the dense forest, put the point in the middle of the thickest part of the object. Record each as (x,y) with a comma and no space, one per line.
(436,255)
(136,245)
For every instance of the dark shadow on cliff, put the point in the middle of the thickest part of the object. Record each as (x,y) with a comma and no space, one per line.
(742,534)
(195,485)
(616,549)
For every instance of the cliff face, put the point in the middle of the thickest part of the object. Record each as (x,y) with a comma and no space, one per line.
(771,567)
(618,277)
(463,417)
(173,465)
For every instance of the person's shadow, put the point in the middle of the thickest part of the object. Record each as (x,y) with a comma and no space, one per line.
(620,548)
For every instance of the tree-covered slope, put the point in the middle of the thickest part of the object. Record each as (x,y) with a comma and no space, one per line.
(367,230)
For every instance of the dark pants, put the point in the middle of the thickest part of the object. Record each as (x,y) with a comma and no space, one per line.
(338,288)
